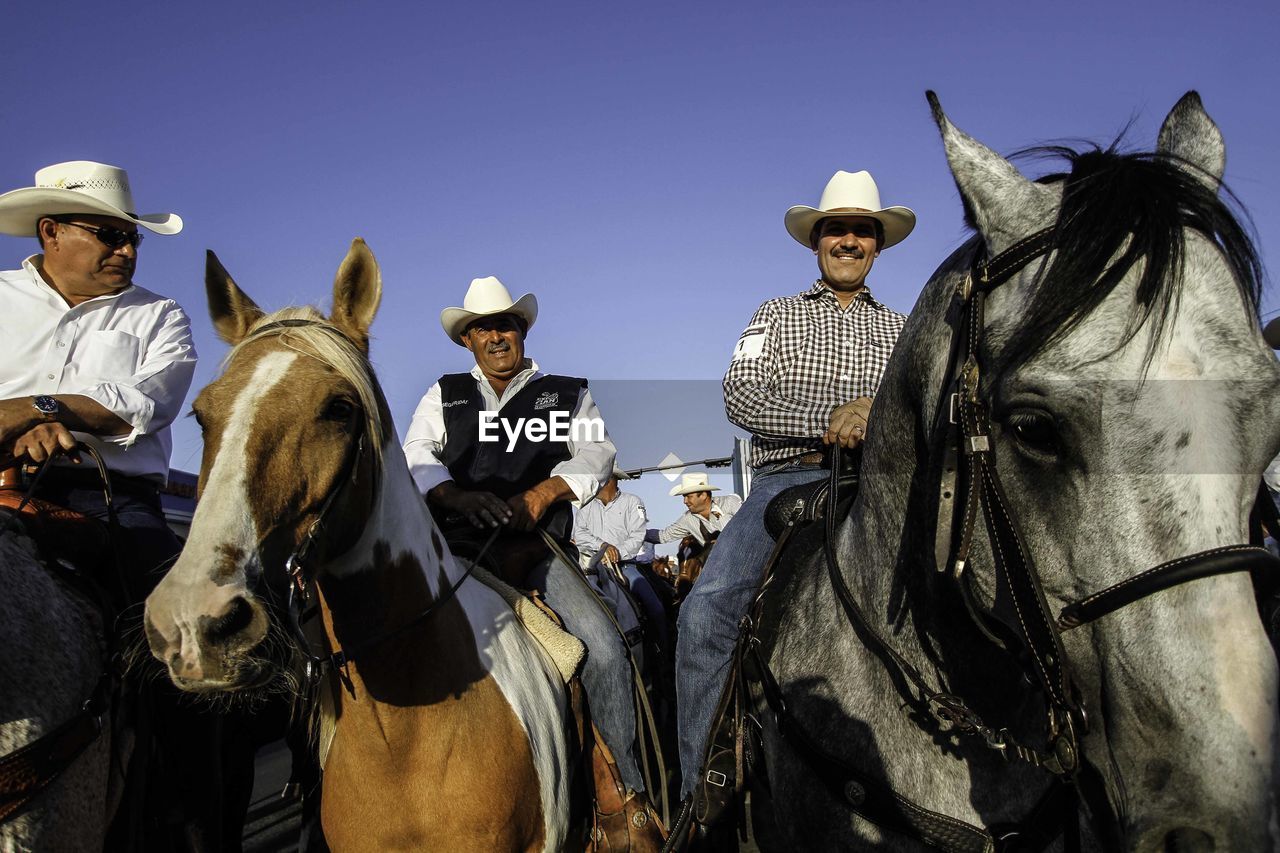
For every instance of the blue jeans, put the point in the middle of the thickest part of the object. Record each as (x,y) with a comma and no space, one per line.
(653,609)
(709,616)
(606,675)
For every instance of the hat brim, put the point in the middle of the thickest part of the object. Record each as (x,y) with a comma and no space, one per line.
(455,320)
(20,211)
(1271,333)
(898,222)
(684,490)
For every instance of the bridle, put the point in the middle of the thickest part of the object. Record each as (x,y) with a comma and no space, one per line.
(301,604)
(969,484)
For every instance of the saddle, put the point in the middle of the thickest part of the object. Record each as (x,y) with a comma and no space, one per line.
(62,535)
(734,747)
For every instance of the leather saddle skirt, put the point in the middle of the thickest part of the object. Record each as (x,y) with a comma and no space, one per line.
(60,533)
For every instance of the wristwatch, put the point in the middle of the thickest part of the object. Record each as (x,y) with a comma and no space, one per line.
(47,406)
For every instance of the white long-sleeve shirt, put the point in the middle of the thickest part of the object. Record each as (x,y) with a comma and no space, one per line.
(131,351)
(620,523)
(585,471)
(723,508)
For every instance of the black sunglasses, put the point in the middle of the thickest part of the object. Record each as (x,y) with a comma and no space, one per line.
(112,238)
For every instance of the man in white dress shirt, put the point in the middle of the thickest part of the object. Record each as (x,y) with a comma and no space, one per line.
(705,514)
(87,355)
(508,445)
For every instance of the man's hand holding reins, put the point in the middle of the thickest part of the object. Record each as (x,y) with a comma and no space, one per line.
(44,441)
(481,509)
(848,425)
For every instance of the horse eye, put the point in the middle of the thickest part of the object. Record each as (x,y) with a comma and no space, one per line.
(1035,430)
(339,410)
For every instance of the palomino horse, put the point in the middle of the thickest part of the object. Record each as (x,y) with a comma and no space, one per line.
(1116,407)
(52,664)
(451,729)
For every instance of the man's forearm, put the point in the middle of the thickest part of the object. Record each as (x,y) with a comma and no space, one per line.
(553,489)
(76,412)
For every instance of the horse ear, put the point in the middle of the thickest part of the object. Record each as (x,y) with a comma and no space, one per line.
(999,202)
(357,290)
(1191,136)
(232,311)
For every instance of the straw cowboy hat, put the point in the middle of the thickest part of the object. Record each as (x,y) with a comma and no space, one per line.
(851,194)
(486,297)
(690,483)
(79,186)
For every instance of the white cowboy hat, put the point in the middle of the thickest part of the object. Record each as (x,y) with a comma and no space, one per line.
(851,193)
(79,186)
(690,483)
(486,297)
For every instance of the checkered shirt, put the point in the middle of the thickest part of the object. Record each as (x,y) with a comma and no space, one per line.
(798,359)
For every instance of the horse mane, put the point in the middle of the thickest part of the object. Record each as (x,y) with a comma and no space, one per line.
(319,339)
(1131,207)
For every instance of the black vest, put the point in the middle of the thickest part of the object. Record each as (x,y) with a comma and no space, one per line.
(488,466)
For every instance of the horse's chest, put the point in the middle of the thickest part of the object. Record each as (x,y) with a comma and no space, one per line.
(442,776)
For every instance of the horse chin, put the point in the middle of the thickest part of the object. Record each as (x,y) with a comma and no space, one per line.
(249,677)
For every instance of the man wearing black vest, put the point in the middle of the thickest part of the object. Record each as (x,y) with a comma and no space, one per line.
(507,445)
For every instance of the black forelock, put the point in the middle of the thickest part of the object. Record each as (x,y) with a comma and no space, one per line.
(1130,207)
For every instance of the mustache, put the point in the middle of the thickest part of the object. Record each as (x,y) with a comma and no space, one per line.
(856,251)
(503,346)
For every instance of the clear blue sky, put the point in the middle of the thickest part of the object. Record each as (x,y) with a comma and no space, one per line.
(629,163)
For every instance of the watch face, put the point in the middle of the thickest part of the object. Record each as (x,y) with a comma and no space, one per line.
(46,404)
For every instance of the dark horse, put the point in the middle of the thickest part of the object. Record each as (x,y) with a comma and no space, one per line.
(1118,409)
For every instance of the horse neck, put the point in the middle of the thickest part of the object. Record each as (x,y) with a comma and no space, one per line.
(398,569)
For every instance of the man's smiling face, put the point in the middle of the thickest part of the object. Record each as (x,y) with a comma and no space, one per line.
(497,342)
(847,247)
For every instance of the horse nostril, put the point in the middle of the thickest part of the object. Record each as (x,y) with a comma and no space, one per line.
(236,618)
(1186,839)
(155,640)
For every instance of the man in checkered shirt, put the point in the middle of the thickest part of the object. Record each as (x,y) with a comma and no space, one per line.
(802,376)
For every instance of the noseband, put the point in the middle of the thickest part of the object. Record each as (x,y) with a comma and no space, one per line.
(970,483)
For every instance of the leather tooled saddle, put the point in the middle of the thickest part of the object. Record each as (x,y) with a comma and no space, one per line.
(61,534)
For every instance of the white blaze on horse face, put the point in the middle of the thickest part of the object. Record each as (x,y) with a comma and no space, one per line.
(197,587)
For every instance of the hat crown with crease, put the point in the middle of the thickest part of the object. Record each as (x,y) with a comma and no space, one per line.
(78,186)
(854,194)
(487,297)
(690,483)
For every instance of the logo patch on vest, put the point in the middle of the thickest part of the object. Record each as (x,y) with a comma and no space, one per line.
(452,403)
(546,400)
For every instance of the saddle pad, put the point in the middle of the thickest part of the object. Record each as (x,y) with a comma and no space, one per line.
(566,650)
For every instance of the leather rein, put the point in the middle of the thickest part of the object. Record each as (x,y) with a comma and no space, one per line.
(969,484)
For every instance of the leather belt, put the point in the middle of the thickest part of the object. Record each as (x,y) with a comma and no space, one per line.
(816,457)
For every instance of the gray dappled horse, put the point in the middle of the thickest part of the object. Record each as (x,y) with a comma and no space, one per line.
(51,663)
(1133,408)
